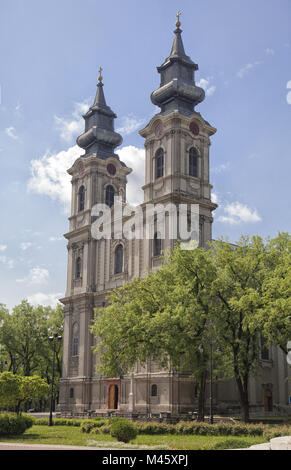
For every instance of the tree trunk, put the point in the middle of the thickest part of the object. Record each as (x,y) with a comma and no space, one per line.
(244,399)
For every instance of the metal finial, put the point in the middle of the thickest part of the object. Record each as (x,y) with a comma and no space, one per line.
(100,78)
(178,24)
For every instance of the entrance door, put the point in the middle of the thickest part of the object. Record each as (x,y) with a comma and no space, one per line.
(113,397)
(268,400)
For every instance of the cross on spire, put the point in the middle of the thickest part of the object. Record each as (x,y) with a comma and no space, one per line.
(178,24)
(100,78)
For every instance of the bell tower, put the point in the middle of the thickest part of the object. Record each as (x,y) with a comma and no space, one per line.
(97,177)
(178,140)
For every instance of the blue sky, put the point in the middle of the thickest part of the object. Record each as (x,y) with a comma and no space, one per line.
(50,56)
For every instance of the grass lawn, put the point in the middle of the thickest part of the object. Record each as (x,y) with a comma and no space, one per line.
(71,435)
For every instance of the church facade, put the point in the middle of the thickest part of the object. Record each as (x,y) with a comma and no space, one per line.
(177,144)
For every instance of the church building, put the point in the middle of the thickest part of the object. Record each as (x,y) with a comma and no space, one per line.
(177,161)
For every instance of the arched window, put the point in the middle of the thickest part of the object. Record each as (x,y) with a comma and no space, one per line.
(118,259)
(193,162)
(154,390)
(78,267)
(109,195)
(159,163)
(157,244)
(81,198)
(75,345)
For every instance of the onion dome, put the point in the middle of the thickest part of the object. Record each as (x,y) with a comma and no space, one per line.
(99,138)
(177,89)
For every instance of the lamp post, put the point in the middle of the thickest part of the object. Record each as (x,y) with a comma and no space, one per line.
(53,340)
(201,349)
(211,387)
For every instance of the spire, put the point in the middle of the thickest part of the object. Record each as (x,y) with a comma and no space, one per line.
(177,88)
(177,47)
(99,138)
(100,98)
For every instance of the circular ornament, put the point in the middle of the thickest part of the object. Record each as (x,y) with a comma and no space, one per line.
(111,169)
(194,128)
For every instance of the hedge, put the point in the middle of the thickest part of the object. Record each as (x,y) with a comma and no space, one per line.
(103,425)
(12,424)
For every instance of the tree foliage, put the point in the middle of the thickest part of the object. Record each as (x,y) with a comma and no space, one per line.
(24,345)
(16,390)
(229,296)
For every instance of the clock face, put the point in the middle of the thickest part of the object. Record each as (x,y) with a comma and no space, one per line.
(159,129)
(194,128)
(111,169)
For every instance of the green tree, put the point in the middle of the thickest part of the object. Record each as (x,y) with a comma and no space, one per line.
(24,338)
(275,316)
(32,388)
(16,390)
(228,296)
(238,290)
(163,317)
(10,385)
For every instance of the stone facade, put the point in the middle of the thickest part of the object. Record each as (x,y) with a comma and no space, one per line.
(176,133)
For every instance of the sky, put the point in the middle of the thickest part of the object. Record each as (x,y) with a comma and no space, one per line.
(50,56)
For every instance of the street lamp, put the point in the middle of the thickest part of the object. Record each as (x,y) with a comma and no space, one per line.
(53,340)
(211,387)
(201,349)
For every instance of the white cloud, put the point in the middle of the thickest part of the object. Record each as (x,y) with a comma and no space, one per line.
(205,84)
(50,177)
(25,245)
(214,198)
(7,261)
(36,276)
(70,128)
(134,157)
(129,124)
(3,247)
(221,168)
(269,51)
(237,213)
(246,69)
(55,239)
(44,299)
(10,131)
(288,97)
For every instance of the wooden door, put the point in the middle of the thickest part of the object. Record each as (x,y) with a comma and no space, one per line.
(111,397)
(268,400)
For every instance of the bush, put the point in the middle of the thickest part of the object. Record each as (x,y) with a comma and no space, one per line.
(88,426)
(219,429)
(105,429)
(58,422)
(276,431)
(153,427)
(123,429)
(12,424)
